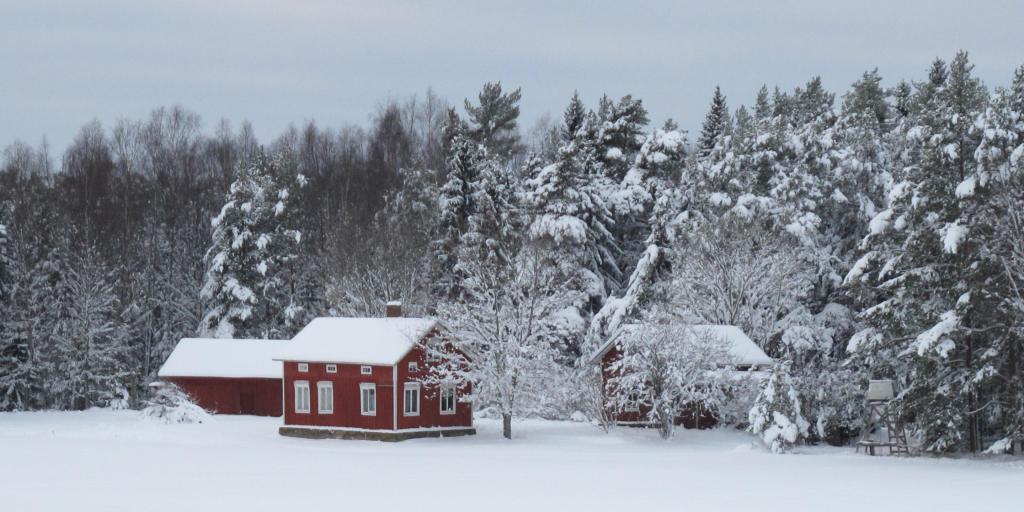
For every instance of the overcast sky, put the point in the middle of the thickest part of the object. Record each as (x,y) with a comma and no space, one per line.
(286,61)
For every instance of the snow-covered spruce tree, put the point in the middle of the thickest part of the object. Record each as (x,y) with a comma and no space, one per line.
(655,172)
(457,202)
(992,202)
(776,416)
(88,348)
(255,240)
(572,219)
(657,168)
(493,123)
(6,258)
(718,165)
(667,369)
(14,393)
(496,221)
(925,327)
(505,324)
(42,304)
(717,125)
(766,158)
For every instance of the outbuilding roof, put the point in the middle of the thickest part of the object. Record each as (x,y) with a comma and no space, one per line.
(380,341)
(742,349)
(215,357)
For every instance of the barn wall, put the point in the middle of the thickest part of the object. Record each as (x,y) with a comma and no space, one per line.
(347,411)
(259,397)
(430,400)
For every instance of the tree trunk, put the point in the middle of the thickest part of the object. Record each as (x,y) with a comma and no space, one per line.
(666,424)
(506,426)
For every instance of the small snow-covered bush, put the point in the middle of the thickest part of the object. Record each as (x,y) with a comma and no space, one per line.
(776,417)
(172,405)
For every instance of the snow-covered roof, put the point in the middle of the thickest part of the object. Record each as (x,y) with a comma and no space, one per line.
(382,341)
(218,357)
(742,349)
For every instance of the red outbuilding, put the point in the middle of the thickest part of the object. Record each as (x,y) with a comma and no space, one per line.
(367,378)
(226,376)
(746,360)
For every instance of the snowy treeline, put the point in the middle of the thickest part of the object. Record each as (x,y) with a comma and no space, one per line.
(874,236)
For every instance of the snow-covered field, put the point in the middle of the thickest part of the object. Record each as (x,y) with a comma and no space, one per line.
(110,461)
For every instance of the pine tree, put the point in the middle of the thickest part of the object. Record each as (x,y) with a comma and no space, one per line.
(916,261)
(254,243)
(991,198)
(493,123)
(619,134)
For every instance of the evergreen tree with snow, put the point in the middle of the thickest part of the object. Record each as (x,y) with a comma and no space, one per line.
(658,168)
(6,258)
(991,201)
(88,347)
(13,350)
(457,202)
(255,241)
(493,122)
(717,124)
(571,218)
(719,165)
(619,134)
(776,416)
(916,263)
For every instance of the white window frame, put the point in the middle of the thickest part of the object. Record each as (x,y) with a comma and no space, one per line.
(414,367)
(324,388)
(366,370)
(301,386)
(332,368)
(411,387)
(447,389)
(363,410)
(304,367)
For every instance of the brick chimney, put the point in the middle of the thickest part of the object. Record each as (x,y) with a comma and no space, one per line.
(393,309)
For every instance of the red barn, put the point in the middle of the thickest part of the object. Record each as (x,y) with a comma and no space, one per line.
(366,378)
(745,356)
(227,376)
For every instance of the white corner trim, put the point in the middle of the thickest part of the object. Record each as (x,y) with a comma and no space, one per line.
(394,396)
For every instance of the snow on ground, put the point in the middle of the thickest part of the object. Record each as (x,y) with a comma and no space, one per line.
(103,460)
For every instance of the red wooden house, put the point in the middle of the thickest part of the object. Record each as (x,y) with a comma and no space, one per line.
(227,376)
(746,358)
(366,378)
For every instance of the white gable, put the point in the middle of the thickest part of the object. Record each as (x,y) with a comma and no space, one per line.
(742,349)
(382,341)
(210,357)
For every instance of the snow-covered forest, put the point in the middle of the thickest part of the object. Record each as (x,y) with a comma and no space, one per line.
(876,232)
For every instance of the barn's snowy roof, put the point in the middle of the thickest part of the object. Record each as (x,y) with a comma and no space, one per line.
(742,349)
(209,357)
(382,341)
